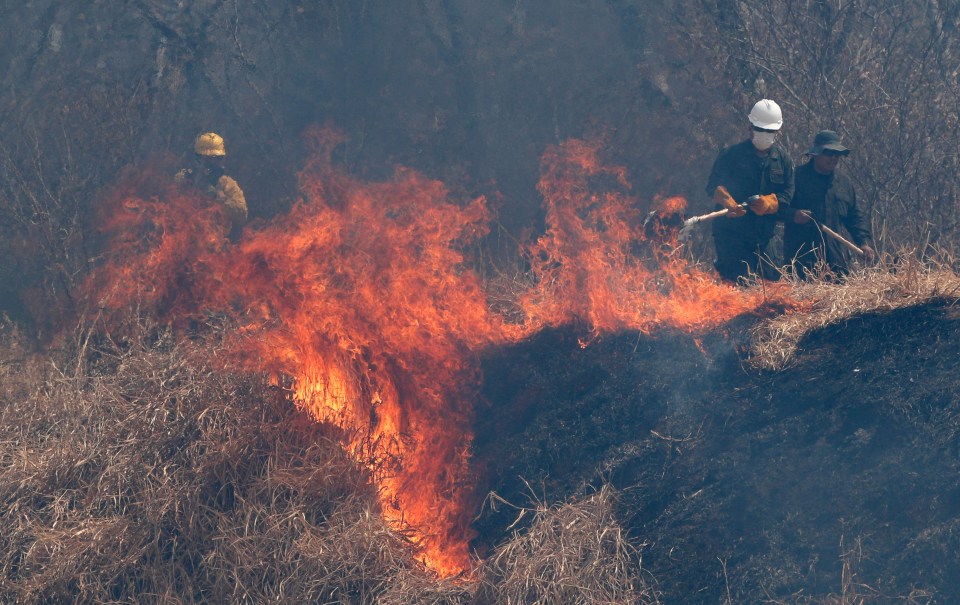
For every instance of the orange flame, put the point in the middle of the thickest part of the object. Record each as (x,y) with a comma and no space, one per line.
(594,261)
(362,297)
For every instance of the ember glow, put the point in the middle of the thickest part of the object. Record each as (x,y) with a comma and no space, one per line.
(360,299)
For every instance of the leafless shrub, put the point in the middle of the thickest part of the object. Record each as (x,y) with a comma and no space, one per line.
(53,159)
(884,75)
(506,288)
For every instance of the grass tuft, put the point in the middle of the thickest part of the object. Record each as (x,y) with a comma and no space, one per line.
(573,553)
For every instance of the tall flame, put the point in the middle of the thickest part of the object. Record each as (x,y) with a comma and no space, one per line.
(597,265)
(361,298)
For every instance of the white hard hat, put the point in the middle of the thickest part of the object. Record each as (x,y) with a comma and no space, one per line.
(766,114)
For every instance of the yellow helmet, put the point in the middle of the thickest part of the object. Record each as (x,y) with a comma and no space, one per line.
(210,143)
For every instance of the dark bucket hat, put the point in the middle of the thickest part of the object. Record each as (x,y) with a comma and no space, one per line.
(827,140)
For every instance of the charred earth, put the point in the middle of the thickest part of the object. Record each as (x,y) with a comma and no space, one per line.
(834,475)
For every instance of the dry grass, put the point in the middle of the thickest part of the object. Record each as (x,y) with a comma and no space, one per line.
(145,471)
(891,284)
(574,554)
(145,474)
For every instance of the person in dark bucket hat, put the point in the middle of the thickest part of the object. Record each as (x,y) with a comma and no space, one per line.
(827,141)
(825,196)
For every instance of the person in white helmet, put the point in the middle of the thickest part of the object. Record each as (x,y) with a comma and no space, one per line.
(756,166)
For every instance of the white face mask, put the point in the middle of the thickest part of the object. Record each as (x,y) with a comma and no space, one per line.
(764,140)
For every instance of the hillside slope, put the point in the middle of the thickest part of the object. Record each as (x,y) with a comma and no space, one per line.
(766,484)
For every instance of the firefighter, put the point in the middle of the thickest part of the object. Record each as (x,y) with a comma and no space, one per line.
(756,166)
(825,196)
(208,175)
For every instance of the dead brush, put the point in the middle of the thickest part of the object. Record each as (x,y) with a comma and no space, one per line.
(151,472)
(143,469)
(574,553)
(907,280)
(506,286)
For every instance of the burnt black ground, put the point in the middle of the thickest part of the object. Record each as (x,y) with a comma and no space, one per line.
(852,449)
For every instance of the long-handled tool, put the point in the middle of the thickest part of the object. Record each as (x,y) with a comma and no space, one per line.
(847,243)
(693,220)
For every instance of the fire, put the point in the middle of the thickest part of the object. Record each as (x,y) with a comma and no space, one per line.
(596,264)
(361,298)
(670,205)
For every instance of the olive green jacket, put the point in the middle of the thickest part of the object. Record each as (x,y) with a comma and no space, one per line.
(832,200)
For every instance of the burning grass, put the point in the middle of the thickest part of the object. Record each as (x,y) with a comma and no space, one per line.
(143,474)
(147,469)
(143,470)
(155,469)
(363,297)
(892,284)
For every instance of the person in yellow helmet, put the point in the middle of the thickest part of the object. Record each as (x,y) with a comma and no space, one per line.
(208,175)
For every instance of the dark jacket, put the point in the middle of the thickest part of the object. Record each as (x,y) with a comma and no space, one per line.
(832,200)
(744,173)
